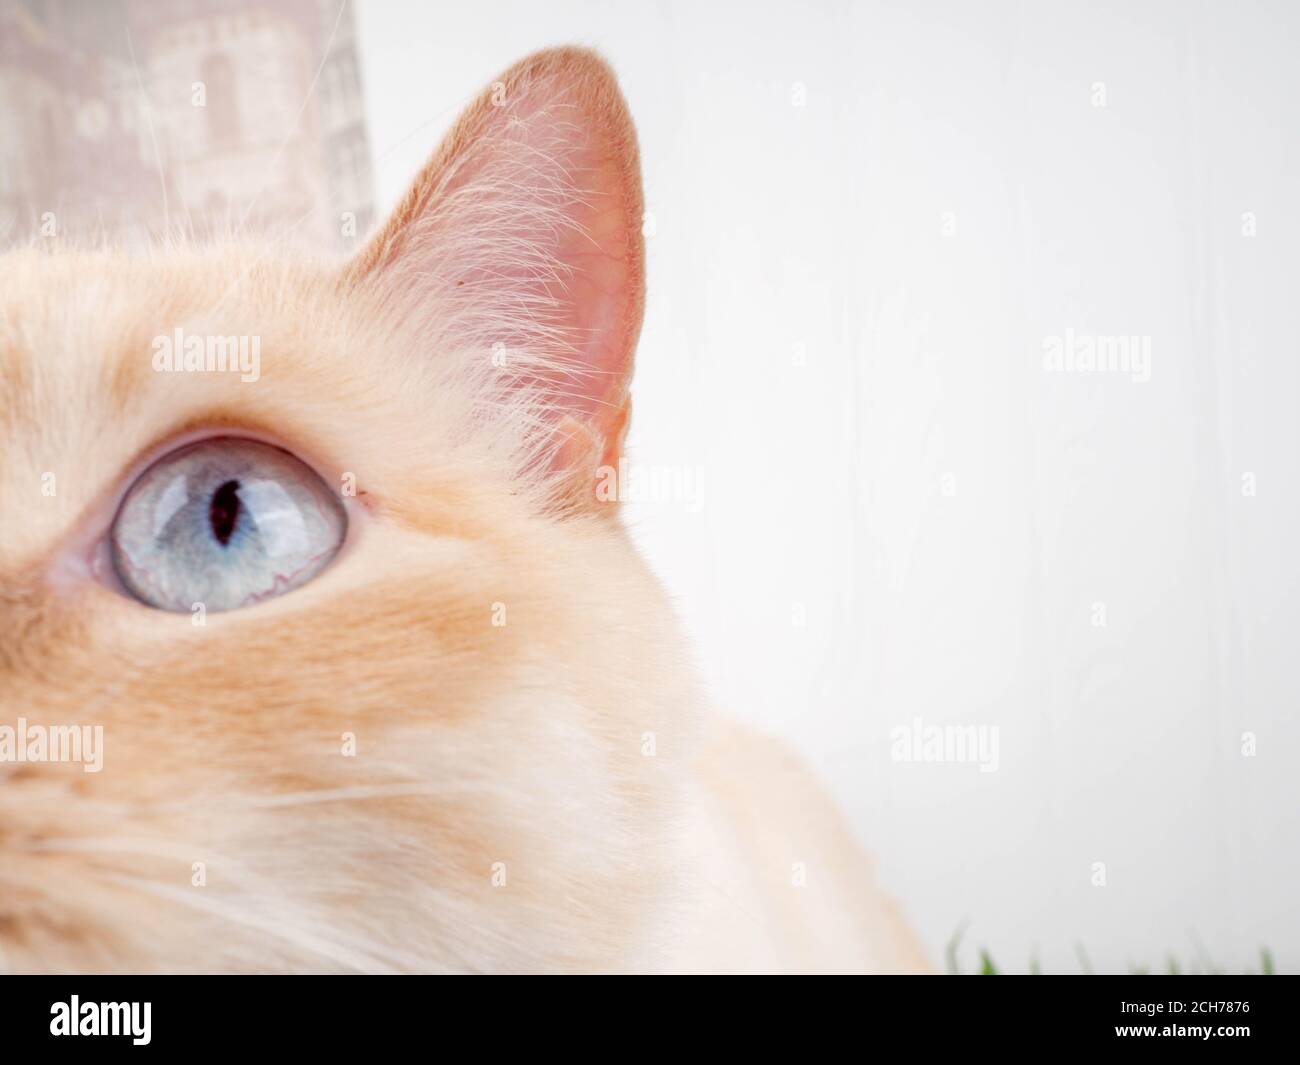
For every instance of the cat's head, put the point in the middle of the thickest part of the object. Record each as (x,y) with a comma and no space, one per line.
(381,684)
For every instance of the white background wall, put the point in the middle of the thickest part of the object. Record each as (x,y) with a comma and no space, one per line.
(832,358)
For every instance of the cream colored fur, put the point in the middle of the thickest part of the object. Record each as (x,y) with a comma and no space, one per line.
(483,751)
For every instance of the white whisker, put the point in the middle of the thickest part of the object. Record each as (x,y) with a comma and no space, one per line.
(352,794)
(362,959)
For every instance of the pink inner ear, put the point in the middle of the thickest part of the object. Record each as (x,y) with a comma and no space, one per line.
(599,298)
(556,166)
(524,231)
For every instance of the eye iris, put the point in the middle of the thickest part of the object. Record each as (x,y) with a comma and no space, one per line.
(225,522)
(223,511)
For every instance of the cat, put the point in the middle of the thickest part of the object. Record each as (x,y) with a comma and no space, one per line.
(383,684)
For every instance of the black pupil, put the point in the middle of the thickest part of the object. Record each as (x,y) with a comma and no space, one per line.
(223,511)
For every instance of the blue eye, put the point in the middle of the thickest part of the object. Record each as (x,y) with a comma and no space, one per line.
(225,522)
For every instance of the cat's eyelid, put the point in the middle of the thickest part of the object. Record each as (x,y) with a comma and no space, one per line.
(177,439)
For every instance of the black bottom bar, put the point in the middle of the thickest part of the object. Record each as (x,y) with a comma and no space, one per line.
(1227,1015)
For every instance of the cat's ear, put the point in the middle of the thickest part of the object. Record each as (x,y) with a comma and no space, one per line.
(521,240)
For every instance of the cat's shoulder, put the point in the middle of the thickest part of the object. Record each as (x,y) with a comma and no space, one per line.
(781,883)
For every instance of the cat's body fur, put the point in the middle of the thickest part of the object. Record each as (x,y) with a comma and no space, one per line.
(501,812)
